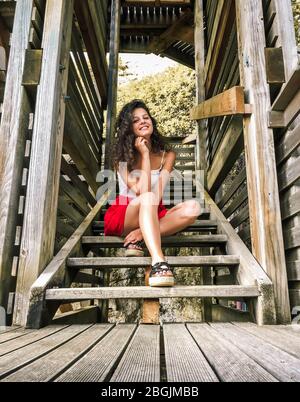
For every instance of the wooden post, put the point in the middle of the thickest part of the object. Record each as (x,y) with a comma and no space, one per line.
(14,124)
(112,78)
(38,236)
(264,208)
(150,308)
(201,163)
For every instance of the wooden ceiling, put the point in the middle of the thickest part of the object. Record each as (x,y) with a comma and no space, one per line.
(162,27)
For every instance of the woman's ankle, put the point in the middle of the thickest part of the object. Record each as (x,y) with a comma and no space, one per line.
(158,259)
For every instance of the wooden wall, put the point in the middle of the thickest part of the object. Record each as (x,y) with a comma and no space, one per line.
(224,143)
(284,80)
(227,178)
(27,105)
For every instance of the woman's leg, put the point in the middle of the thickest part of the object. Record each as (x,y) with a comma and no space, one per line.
(142,213)
(177,219)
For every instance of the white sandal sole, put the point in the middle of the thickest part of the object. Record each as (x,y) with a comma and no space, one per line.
(161,282)
(134,253)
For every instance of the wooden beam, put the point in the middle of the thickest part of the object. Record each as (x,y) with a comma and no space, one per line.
(32,71)
(151,306)
(38,235)
(157,3)
(181,30)
(230,102)
(275,65)
(13,134)
(112,78)
(264,207)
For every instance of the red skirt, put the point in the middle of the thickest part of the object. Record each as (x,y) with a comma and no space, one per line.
(114,217)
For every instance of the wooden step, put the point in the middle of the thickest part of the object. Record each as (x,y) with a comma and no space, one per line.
(198,226)
(139,262)
(182,167)
(146,292)
(173,241)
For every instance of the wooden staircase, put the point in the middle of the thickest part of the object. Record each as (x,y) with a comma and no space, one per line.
(220,250)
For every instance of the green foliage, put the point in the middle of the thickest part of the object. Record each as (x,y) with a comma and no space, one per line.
(296,9)
(169,95)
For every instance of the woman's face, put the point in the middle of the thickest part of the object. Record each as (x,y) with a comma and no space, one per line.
(142,123)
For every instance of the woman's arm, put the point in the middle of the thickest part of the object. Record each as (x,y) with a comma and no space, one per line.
(164,176)
(140,184)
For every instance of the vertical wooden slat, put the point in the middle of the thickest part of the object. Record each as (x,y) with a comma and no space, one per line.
(112,77)
(265,216)
(287,37)
(14,123)
(201,163)
(39,227)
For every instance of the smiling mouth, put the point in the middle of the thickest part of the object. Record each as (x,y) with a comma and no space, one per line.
(144,128)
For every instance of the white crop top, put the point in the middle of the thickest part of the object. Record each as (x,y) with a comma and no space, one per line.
(127,192)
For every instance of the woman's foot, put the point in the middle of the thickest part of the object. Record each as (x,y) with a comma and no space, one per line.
(134,249)
(161,275)
(134,244)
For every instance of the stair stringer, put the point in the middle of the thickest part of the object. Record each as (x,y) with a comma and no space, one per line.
(55,274)
(250,272)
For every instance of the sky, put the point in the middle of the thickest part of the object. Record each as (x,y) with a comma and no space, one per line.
(146,64)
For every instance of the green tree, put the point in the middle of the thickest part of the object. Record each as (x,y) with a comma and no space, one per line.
(169,95)
(296,9)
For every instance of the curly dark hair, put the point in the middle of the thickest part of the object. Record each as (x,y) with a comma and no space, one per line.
(124,149)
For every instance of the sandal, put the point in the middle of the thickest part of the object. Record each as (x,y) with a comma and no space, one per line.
(134,251)
(161,275)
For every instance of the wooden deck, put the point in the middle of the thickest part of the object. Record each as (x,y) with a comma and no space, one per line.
(231,352)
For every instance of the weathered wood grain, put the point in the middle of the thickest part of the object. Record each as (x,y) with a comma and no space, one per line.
(230,363)
(281,340)
(37,245)
(50,366)
(13,133)
(21,357)
(280,364)
(250,272)
(142,352)
(143,292)
(264,207)
(99,363)
(185,361)
(54,273)
(122,262)
(114,48)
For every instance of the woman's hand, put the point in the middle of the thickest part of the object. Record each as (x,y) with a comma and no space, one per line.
(133,237)
(142,145)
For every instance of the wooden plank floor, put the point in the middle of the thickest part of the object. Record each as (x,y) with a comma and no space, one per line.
(229,352)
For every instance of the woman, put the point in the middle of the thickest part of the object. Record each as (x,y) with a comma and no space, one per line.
(138,213)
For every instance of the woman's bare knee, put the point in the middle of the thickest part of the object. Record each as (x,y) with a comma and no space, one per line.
(190,210)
